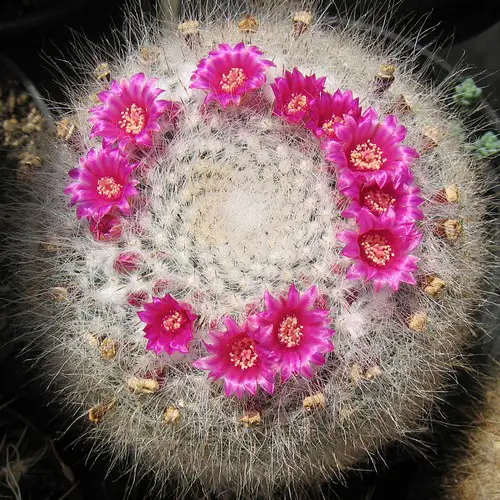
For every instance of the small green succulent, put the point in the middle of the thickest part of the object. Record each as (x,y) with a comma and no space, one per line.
(467,93)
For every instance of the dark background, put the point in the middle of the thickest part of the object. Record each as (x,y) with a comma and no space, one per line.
(35,32)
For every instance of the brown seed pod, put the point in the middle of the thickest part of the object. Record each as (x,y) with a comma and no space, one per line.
(98,412)
(301,22)
(419,322)
(450,229)
(251,418)
(403,105)
(384,78)
(248,25)
(143,385)
(317,400)
(65,129)
(190,30)
(434,286)
(109,348)
(172,415)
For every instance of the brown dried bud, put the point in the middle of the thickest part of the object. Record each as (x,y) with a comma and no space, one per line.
(30,160)
(301,22)
(65,129)
(384,78)
(317,400)
(143,385)
(150,55)
(102,72)
(434,286)
(190,30)
(249,24)
(451,229)
(58,293)
(98,412)
(359,373)
(109,348)
(172,415)
(251,418)
(432,138)
(449,194)
(419,322)
(403,105)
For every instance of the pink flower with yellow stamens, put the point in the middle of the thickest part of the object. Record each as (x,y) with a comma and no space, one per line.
(295,332)
(369,150)
(131,112)
(329,109)
(103,182)
(295,95)
(381,250)
(392,198)
(169,325)
(236,356)
(228,73)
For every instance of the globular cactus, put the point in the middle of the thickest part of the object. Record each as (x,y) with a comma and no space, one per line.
(279,241)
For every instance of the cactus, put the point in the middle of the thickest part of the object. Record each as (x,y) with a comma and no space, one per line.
(487,145)
(188,305)
(467,93)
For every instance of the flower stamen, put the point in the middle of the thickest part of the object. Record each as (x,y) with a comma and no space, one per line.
(376,249)
(296,104)
(290,331)
(232,80)
(367,157)
(173,321)
(243,354)
(378,202)
(133,119)
(328,126)
(109,188)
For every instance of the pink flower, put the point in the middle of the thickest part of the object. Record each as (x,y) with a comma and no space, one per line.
(236,356)
(169,325)
(107,228)
(381,249)
(103,182)
(369,150)
(295,94)
(328,110)
(131,112)
(294,332)
(228,73)
(390,199)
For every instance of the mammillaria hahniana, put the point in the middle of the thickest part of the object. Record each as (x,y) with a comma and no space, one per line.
(251,299)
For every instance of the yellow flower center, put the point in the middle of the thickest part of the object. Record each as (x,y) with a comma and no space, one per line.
(367,157)
(376,249)
(109,188)
(232,80)
(296,104)
(378,202)
(243,354)
(290,331)
(328,126)
(173,320)
(133,119)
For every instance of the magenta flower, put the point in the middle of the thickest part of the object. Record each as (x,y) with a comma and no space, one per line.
(228,73)
(131,112)
(369,150)
(107,228)
(295,95)
(169,325)
(381,249)
(237,356)
(296,334)
(329,109)
(393,199)
(103,183)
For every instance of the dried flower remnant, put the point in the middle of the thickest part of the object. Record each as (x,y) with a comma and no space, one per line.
(316,401)
(97,413)
(143,385)
(172,415)
(58,293)
(248,25)
(251,419)
(190,30)
(102,72)
(434,287)
(419,322)
(450,229)
(302,20)
(384,78)
(109,348)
